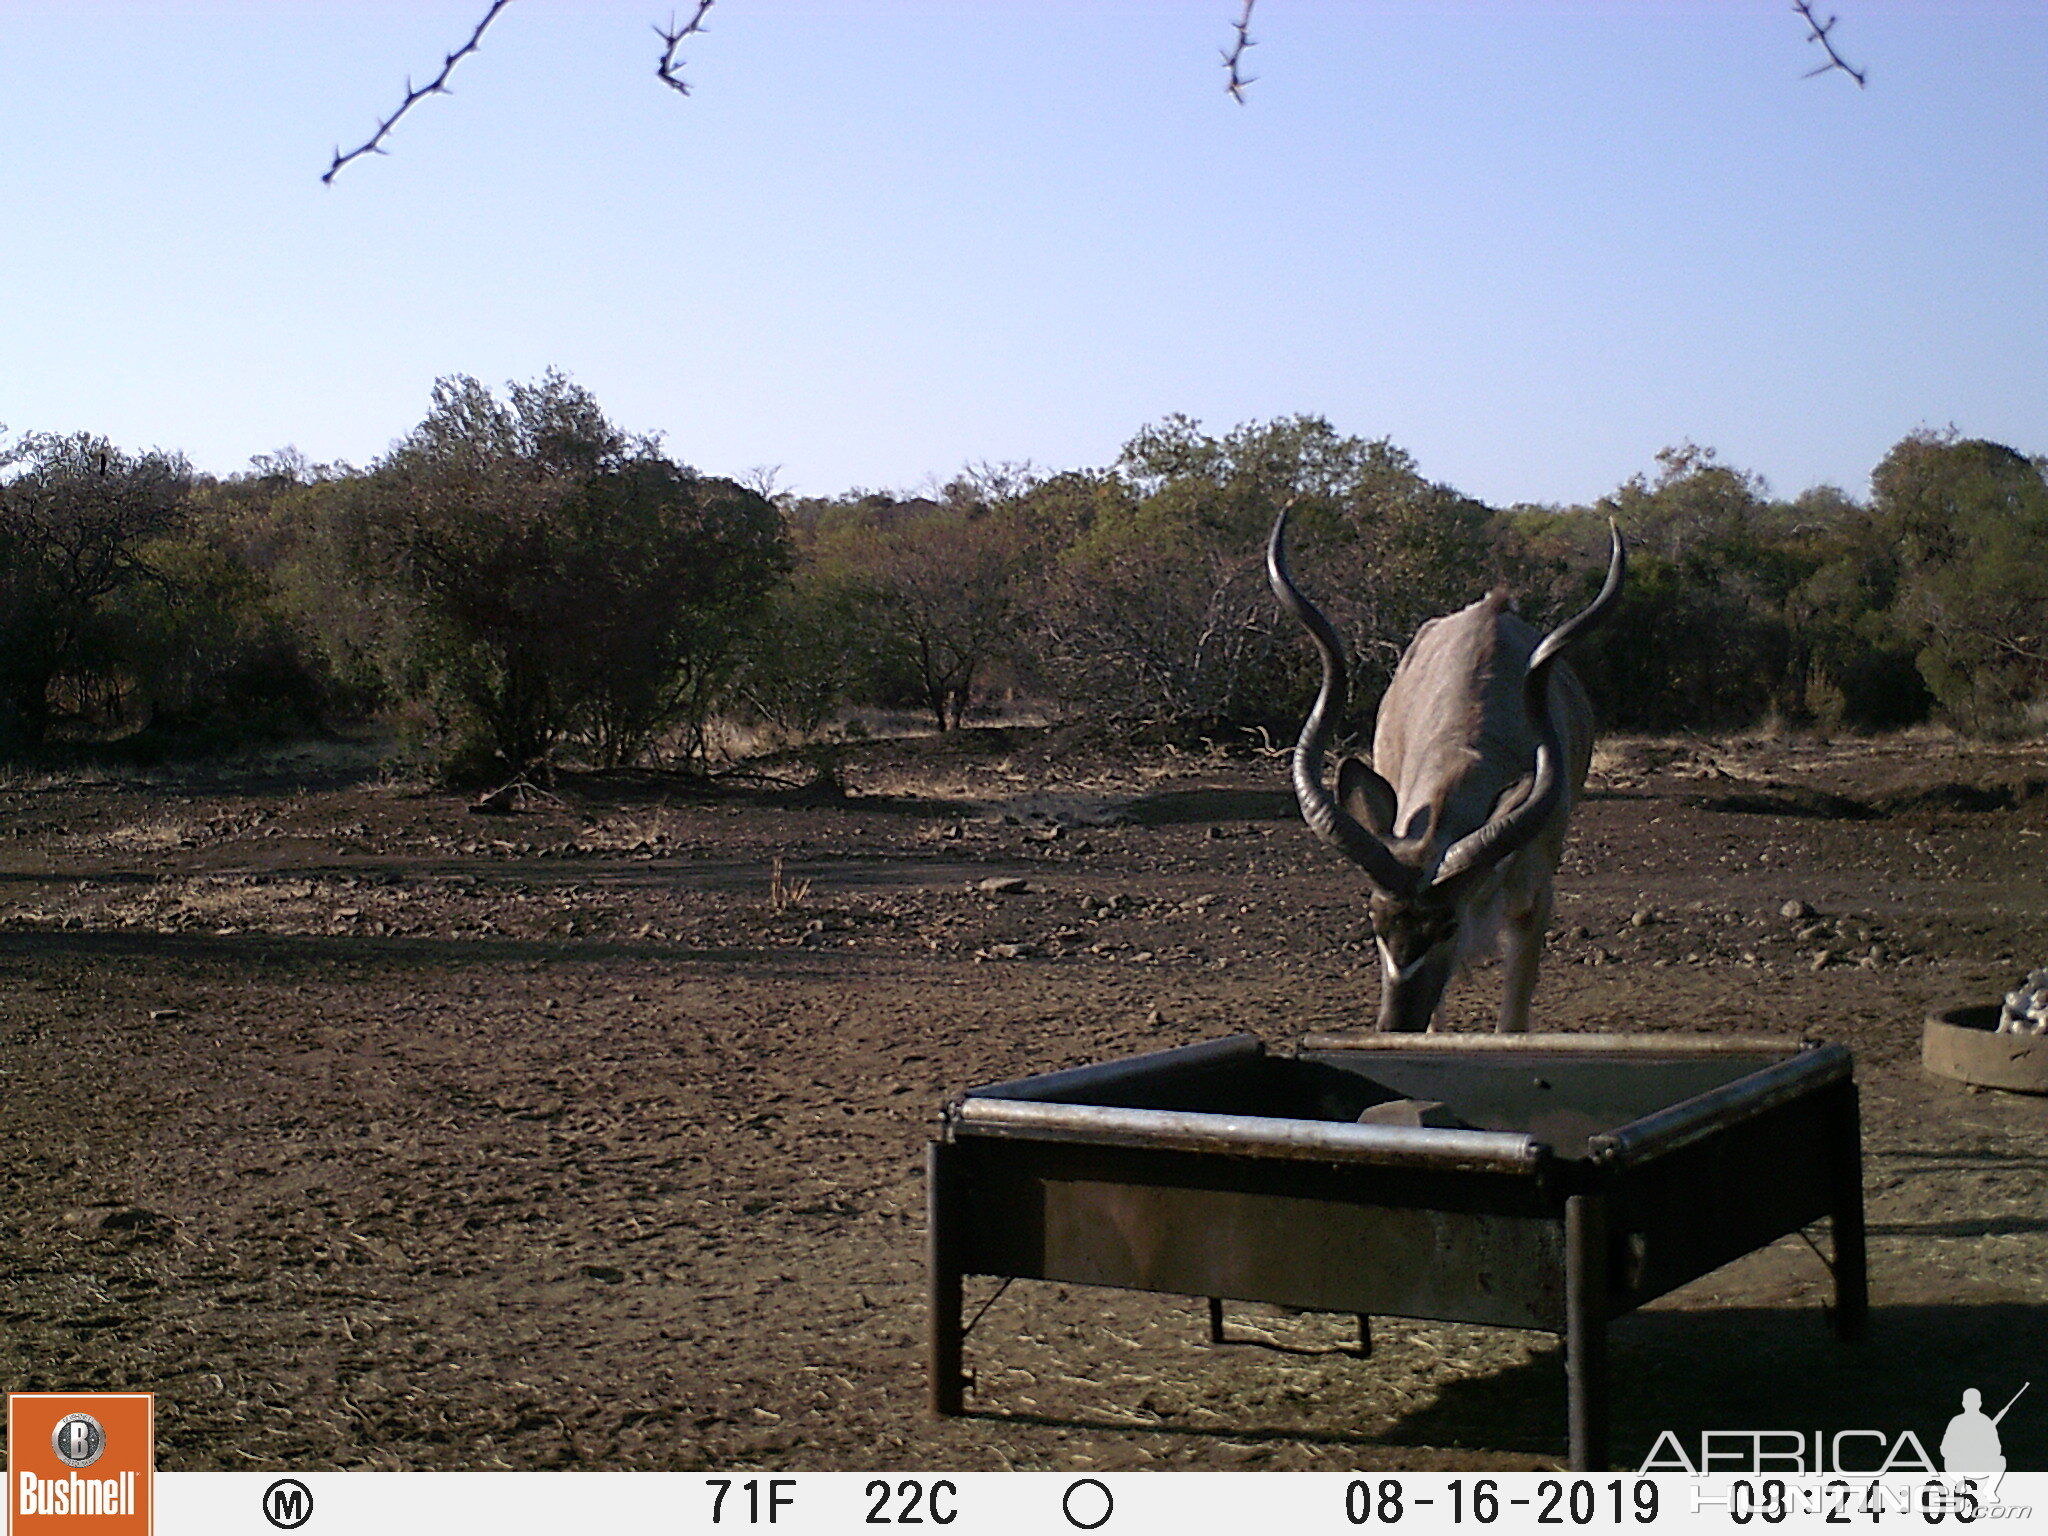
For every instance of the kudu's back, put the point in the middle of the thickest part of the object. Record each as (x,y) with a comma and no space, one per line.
(1453,734)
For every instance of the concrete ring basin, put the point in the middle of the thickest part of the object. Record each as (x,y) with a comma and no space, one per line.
(1963,1043)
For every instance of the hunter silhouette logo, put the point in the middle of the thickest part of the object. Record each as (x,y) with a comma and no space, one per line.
(1970,1447)
(80,1463)
(1890,1468)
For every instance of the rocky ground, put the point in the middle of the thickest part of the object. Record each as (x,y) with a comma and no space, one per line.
(369,1131)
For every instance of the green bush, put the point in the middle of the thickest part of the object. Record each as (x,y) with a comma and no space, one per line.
(75,516)
(570,583)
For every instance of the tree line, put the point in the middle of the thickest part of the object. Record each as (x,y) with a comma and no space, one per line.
(520,583)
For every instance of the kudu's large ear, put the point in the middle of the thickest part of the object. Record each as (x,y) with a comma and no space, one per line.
(1368,797)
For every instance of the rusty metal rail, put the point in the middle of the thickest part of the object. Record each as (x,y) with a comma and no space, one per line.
(1705,1114)
(1256,1135)
(1677,1044)
(1085,1083)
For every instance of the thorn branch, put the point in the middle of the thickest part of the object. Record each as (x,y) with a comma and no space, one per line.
(438,86)
(1817,32)
(1233,56)
(672,37)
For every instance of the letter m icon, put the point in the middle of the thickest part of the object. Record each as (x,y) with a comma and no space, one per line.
(287,1504)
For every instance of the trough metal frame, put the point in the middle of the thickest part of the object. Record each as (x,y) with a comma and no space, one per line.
(1469,1226)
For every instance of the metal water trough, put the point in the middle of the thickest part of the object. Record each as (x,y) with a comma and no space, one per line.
(1549,1182)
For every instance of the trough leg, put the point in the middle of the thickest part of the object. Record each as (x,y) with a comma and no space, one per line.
(1852,1282)
(1215,1319)
(1585,1340)
(942,1180)
(1364,1334)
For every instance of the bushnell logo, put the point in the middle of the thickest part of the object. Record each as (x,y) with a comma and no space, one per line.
(78,1440)
(80,1463)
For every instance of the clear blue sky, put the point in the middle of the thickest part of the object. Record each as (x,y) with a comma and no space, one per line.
(1531,243)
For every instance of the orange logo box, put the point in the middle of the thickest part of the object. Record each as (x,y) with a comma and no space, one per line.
(80,1463)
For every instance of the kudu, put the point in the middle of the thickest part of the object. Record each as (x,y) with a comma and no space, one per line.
(1481,748)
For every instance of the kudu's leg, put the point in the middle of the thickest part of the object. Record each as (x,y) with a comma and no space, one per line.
(1521,943)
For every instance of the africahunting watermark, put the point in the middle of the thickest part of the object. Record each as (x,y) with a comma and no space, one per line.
(1847,1473)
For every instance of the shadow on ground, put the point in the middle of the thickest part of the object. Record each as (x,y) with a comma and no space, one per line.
(289,950)
(1766,1368)
(1184,807)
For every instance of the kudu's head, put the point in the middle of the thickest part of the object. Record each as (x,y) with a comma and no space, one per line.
(1424,890)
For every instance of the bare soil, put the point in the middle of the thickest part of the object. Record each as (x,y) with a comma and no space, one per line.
(367,1131)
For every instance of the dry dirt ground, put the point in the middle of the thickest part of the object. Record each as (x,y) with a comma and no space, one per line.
(370,1132)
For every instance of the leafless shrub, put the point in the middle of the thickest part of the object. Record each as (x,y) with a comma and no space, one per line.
(785,894)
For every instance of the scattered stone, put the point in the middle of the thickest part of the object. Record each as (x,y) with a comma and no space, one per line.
(378,1249)
(1642,917)
(1822,958)
(1796,910)
(609,1274)
(133,1218)
(1004,885)
(165,1015)
(2025,1011)
(1417,1112)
